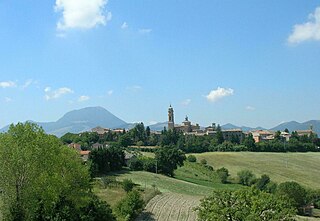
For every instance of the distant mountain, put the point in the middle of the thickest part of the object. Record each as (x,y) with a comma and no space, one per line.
(158,126)
(78,121)
(294,125)
(244,128)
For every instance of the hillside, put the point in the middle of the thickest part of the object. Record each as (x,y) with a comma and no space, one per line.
(300,167)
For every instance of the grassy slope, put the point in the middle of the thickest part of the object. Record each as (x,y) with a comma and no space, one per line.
(300,167)
(198,174)
(164,183)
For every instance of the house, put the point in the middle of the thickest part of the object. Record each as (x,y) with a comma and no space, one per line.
(304,132)
(260,135)
(97,146)
(85,155)
(75,146)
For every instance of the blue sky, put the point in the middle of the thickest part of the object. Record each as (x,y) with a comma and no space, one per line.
(254,63)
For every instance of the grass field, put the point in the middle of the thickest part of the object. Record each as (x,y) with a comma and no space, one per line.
(300,167)
(164,183)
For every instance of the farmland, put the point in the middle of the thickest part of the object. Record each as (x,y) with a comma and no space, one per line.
(300,167)
(170,206)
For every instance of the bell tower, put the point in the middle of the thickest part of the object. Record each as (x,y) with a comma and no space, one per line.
(171,118)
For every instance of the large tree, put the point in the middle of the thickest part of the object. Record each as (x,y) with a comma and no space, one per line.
(168,158)
(37,172)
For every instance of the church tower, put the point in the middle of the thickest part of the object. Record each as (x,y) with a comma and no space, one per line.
(171,118)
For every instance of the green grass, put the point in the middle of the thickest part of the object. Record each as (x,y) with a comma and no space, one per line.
(300,167)
(168,184)
(199,174)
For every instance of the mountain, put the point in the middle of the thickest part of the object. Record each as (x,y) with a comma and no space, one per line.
(78,121)
(158,126)
(244,128)
(294,125)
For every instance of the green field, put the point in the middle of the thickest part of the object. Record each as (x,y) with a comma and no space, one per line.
(300,167)
(167,184)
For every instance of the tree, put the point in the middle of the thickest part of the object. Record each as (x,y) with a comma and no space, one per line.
(246,177)
(104,160)
(127,185)
(249,142)
(262,182)
(38,173)
(130,207)
(294,191)
(219,135)
(192,158)
(223,174)
(168,159)
(244,204)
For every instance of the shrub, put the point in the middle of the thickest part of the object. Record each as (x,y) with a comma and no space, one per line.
(203,161)
(262,182)
(127,185)
(130,207)
(192,159)
(246,177)
(135,164)
(294,191)
(223,174)
(97,210)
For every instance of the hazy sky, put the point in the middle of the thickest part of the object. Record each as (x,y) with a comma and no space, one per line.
(244,62)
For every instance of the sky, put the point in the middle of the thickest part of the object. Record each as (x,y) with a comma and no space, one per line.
(253,63)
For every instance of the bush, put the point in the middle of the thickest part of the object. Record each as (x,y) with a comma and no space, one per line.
(127,185)
(192,159)
(223,174)
(203,161)
(262,182)
(246,177)
(294,191)
(135,164)
(149,164)
(97,210)
(130,207)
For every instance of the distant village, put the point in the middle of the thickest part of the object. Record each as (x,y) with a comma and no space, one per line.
(187,128)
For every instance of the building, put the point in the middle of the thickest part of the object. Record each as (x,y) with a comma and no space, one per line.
(233,135)
(304,132)
(260,135)
(75,146)
(100,130)
(194,129)
(185,127)
(84,155)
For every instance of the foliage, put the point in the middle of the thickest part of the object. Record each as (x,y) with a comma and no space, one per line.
(41,179)
(104,160)
(223,174)
(192,158)
(135,164)
(244,204)
(262,182)
(246,177)
(96,210)
(203,161)
(127,185)
(131,206)
(294,191)
(168,159)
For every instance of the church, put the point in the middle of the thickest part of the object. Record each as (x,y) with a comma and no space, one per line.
(185,127)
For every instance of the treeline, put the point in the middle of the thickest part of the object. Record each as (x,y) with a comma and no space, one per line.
(142,136)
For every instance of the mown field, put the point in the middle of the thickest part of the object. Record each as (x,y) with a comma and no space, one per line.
(170,206)
(300,167)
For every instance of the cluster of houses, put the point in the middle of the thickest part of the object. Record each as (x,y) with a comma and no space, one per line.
(230,134)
